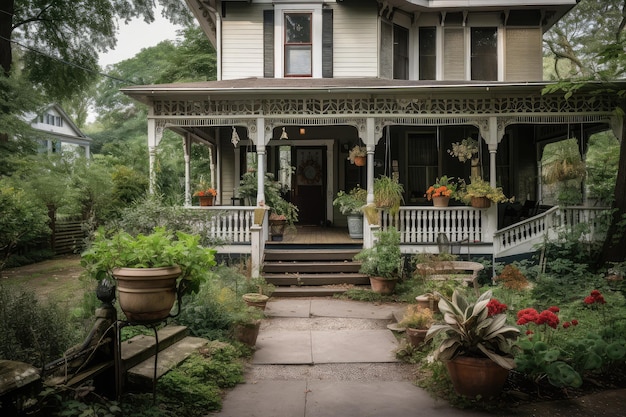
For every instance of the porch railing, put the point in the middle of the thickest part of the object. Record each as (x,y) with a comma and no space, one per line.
(228,224)
(524,236)
(423,225)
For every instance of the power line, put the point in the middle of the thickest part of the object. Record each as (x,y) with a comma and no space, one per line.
(69,63)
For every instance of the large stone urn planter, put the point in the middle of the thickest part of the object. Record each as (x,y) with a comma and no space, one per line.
(355,226)
(146,295)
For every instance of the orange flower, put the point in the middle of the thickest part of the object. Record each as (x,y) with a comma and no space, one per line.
(212,192)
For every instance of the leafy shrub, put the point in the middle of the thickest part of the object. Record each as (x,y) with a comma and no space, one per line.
(33,332)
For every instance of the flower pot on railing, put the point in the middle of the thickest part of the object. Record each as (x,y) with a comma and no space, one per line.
(441,201)
(480,202)
(206,200)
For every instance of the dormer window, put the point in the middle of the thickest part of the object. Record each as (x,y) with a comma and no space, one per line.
(298,45)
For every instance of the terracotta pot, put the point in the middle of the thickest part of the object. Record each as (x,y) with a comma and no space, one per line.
(480,202)
(256,300)
(146,295)
(383,286)
(416,336)
(248,333)
(476,376)
(206,200)
(360,161)
(427,301)
(441,201)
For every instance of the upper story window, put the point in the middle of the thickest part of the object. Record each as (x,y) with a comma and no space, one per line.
(484,53)
(298,45)
(51,119)
(428,53)
(400,53)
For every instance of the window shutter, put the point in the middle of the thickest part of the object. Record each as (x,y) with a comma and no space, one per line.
(327,43)
(268,43)
(454,54)
(524,45)
(386,51)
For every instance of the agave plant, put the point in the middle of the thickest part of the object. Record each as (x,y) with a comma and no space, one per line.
(471,330)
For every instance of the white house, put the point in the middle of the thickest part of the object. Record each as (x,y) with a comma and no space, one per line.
(59,133)
(301,81)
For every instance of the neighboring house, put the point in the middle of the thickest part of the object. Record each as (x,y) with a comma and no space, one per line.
(60,134)
(301,82)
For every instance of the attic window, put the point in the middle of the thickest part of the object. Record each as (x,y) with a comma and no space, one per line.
(298,45)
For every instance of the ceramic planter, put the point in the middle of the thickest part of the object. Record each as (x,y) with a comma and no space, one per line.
(416,336)
(355,226)
(382,285)
(441,201)
(206,200)
(257,300)
(247,333)
(146,295)
(480,202)
(476,376)
(360,161)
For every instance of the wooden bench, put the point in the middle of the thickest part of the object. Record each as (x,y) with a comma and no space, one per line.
(464,271)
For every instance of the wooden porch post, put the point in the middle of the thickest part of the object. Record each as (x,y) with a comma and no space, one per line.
(370,144)
(259,141)
(154,137)
(187,156)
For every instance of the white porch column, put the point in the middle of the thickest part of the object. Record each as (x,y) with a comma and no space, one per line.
(260,142)
(187,156)
(370,143)
(493,138)
(154,137)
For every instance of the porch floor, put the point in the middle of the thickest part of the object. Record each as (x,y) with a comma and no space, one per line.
(316,235)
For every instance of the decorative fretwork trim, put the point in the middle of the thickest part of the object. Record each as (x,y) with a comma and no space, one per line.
(381,106)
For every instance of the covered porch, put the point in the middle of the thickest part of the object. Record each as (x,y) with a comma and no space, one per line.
(405,126)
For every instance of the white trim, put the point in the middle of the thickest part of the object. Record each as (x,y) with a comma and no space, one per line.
(279,38)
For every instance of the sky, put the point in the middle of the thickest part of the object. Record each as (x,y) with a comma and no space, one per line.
(137,35)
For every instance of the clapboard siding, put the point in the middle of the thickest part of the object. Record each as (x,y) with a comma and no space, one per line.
(242,41)
(355,40)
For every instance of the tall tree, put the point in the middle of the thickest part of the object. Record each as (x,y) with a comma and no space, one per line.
(592,39)
(61,39)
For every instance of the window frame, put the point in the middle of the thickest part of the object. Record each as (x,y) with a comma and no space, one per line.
(294,46)
(280,10)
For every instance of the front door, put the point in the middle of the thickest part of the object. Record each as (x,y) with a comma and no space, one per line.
(309,185)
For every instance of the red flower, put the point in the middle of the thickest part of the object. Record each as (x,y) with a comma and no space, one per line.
(495,307)
(589,300)
(566,324)
(529,332)
(554,309)
(549,318)
(574,322)
(595,297)
(595,293)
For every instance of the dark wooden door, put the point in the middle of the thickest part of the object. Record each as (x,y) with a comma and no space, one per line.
(309,193)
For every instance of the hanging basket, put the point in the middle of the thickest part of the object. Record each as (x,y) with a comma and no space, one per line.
(360,161)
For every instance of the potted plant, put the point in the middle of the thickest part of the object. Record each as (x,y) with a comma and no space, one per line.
(358,155)
(282,212)
(416,321)
(480,194)
(205,193)
(148,269)
(257,292)
(388,193)
(351,204)
(247,323)
(383,261)
(475,343)
(441,191)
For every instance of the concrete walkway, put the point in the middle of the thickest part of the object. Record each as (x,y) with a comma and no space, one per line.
(335,358)
(326,357)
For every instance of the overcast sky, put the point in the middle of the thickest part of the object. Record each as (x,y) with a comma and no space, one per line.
(135,36)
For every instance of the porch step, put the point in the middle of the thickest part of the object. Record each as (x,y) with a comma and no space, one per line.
(312,291)
(142,375)
(319,254)
(321,267)
(312,272)
(288,279)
